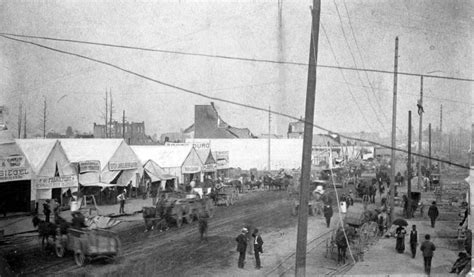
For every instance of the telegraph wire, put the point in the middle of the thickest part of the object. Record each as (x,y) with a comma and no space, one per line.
(238,58)
(344,78)
(224,100)
(362,59)
(355,64)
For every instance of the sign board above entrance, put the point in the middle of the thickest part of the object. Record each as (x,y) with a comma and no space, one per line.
(56,182)
(12,162)
(88,166)
(197,145)
(122,165)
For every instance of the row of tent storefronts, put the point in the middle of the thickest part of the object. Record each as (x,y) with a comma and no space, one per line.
(36,170)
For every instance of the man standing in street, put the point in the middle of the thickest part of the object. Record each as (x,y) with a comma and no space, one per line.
(427,247)
(121,199)
(46,210)
(413,241)
(327,214)
(242,246)
(433,213)
(257,247)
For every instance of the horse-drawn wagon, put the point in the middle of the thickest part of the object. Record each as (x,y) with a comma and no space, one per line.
(88,244)
(225,195)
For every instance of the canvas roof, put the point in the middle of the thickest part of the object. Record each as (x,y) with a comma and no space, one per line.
(36,151)
(91,149)
(204,154)
(166,156)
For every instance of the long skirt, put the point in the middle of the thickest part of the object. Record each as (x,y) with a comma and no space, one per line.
(400,246)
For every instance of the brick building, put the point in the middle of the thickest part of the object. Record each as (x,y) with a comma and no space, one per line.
(134,132)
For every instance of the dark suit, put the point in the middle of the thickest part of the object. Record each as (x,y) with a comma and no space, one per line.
(433,213)
(413,242)
(427,247)
(241,248)
(257,247)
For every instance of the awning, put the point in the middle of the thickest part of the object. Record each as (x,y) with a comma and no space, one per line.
(98,184)
(126,177)
(109,176)
(156,177)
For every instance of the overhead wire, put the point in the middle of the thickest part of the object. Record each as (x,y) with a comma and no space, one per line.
(362,60)
(355,64)
(344,78)
(265,110)
(238,58)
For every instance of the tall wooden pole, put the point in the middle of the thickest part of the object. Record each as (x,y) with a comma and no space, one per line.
(24,127)
(441,128)
(20,115)
(269,138)
(44,118)
(394,133)
(123,125)
(420,134)
(409,167)
(301,238)
(429,145)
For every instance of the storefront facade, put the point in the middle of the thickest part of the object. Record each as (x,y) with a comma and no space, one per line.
(15,180)
(222,164)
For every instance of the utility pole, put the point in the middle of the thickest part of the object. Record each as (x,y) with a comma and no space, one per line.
(394,134)
(24,126)
(123,125)
(20,114)
(269,138)
(429,145)
(420,142)
(106,112)
(441,128)
(409,168)
(110,117)
(44,118)
(301,237)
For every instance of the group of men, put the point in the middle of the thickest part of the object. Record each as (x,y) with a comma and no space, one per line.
(242,242)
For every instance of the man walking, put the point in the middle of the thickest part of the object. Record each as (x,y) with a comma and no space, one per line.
(121,199)
(427,247)
(413,241)
(242,246)
(203,224)
(257,247)
(433,213)
(46,210)
(327,214)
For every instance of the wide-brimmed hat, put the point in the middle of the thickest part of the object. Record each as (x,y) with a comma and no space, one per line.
(319,189)
(245,230)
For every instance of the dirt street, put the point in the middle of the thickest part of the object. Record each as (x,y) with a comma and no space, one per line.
(179,252)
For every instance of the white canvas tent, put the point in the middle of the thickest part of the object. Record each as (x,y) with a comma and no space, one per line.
(117,163)
(51,168)
(177,160)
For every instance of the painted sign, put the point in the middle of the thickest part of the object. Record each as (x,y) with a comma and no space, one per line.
(209,167)
(222,159)
(122,165)
(12,162)
(88,166)
(191,169)
(14,174)
(197,145)
(13,168)
(56,182)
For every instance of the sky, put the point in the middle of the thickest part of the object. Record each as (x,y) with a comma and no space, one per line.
(434,36)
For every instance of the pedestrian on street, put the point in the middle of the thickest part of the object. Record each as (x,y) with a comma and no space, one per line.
(121,199)
(328,214)
(257,247)
(400,235)
(203,225)
(413,241)
(242,246)
(46,210)
(427,247)
(433,213)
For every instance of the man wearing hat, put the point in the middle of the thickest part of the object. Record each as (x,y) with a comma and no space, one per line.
(242,246)
(121,199)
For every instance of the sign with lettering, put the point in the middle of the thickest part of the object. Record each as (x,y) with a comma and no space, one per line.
(122,165)
(14,174)
(191,169)
(197,145)
(12,162)
(88,166)
(222,159)
(209,167)
(56,182)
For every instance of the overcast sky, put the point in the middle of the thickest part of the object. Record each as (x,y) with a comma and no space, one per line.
(435,36)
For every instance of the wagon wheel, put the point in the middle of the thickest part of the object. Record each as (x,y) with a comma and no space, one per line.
(59,250)
(79,258)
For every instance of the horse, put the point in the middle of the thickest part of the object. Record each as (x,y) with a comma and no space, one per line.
(236,184)
(342,243)
(45,230)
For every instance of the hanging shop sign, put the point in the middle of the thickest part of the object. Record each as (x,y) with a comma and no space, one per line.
(56,182)
(88,166)
(222,159)
(13,168)
(115,166)
(191,169)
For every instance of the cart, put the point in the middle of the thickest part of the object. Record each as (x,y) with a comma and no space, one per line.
(88,244)
(226,195)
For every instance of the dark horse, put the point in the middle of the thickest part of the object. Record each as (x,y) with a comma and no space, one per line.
(45,230)
(342,243)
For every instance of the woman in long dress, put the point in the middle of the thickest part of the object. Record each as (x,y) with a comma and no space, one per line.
(400,235)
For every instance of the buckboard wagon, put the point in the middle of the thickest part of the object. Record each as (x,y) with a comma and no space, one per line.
(88,244)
